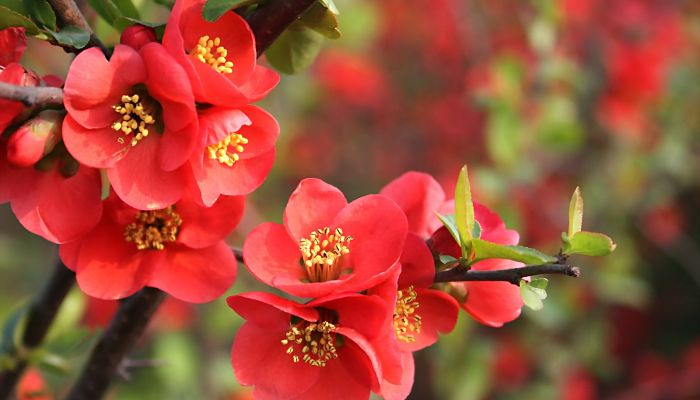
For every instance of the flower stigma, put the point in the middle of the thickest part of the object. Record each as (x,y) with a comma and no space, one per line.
(134,119)
(228,149)
(210,52)
(311,342)
(322,253)
(151,230)
(407,324)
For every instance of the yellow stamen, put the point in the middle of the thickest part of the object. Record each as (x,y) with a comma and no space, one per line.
(210,52)
(407,324)
(151,230)
(315,343)
(322,252)
(227,150)
(134,118)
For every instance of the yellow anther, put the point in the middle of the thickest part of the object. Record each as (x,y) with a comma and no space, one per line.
(209,51)
(316,341)
(151,230)
(133,118)
(227,150)
(322,252)
(407,324)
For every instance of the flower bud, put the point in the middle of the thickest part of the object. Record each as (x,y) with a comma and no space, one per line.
(35,139)
(137,36)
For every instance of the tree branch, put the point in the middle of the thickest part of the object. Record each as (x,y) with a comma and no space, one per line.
(32,95)
(119,338)
(40,315)
(238,252)
(513,275)
(271,18)
(69,14)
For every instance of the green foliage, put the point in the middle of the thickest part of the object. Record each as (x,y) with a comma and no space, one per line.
(295,49)
(533,293)
(323,19)
(449,222)
(214,9)
(526,255)
(71,36)
(575,212)
(41,12)
(588,244)
(10,18)
(464,211)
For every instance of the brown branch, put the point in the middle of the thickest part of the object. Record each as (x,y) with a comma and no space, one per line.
(271,18)
(119,338)
(32,95)
(512,275)
(238,252)
(68,13)
(40,315)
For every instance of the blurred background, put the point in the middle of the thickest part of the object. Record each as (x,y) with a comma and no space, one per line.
(537,97)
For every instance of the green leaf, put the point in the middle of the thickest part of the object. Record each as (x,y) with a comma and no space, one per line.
(122,23)
(464,209)
(295,49)
(589,244)
(526,255)
(41,12)
(106,9)
(322,19)
(214,9)
(12,330)
(127,8)
(71,36)
(10,18)
(449,222)
(106,186)
(532,296)
(54,362)
(539,283)
(575,212)
(447,259)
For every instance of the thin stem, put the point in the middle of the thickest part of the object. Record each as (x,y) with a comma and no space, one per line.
(271,18)
(238,252)
(512,275)
(69,14)
(32,96)
(40,315)
(119,338)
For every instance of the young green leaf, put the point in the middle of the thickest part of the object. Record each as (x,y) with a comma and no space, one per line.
(447,259)
(106,9)
(41,12)
(10,18)
(295,49)
(589,244)
(526,255)
(214,9)
(464,208)
(323,20)
(127,8)
(539,283)
(532,296)
(575,212)
(71,36)
(449,222)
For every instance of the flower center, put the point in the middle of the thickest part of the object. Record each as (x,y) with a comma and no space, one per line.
(227,150)
(152,229)
(134,119)
(210,52)
(322,252)
(407,324)
(312,342)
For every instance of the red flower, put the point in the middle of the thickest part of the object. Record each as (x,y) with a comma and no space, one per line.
(135,116)
(419,195)
(16,75)
(179,249)
(491,303)
(327,245)
(236,152)
(35,139)
(32,386)
(13,41)
(318,350)
(219,57)
(56,199)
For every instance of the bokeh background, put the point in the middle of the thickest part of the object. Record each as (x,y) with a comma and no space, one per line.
(537,97)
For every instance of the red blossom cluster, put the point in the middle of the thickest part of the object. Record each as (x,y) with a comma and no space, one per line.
(144,175)
(367,269)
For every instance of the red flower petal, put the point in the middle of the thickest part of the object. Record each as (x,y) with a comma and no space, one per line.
(390,391)
(205,226)
(13,41)
(419,195)
(314,204)
(417,265)
(438,312)
(260,84)
(196,276)
(139,181)
(365,314)
(267,310)
(110,268)
(97,148)
(261,134)
(493,303)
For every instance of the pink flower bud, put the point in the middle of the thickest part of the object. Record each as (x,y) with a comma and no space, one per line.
(137,36)
(35,139)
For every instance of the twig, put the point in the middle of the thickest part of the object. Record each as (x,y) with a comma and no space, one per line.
(40,315)
(32,95)
(271,18)
(238,252)
(119,338)
(69,14)
(512,275)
